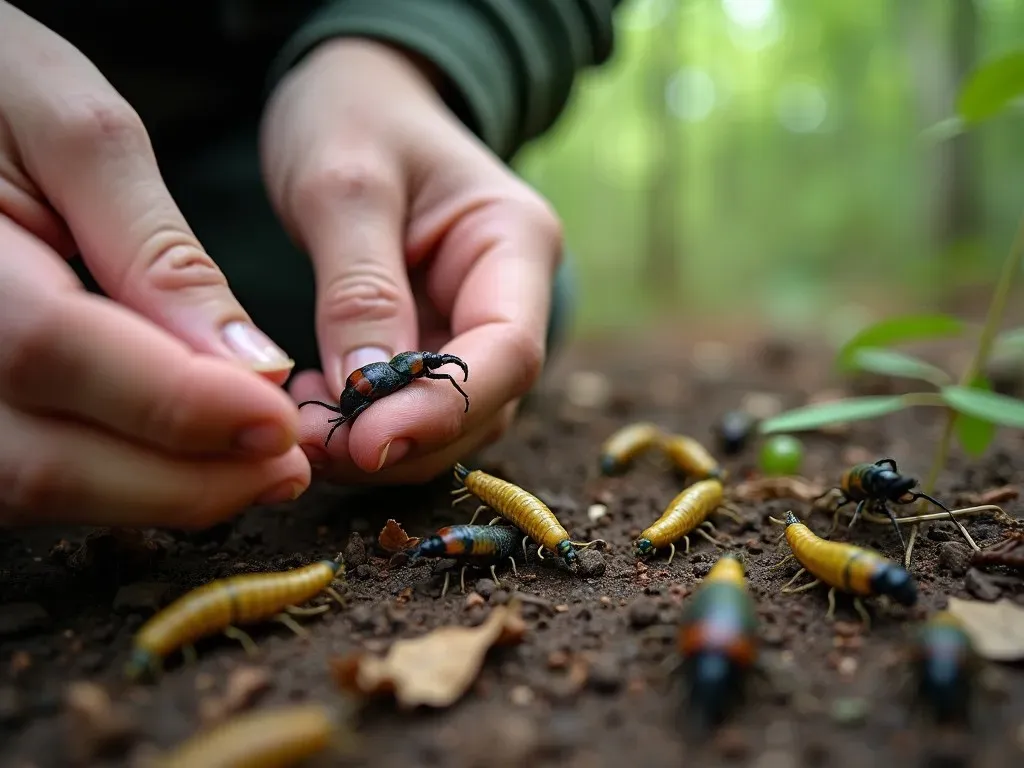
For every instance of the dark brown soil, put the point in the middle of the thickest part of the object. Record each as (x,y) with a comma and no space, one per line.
(827,700)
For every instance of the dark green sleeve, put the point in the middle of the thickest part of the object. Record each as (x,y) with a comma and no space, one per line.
(509,64)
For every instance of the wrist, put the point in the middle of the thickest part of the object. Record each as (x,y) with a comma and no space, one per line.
(369,52)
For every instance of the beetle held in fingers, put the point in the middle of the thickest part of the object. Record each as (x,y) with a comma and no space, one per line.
(366,385)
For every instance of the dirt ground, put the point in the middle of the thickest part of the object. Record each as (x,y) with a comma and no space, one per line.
(831,696)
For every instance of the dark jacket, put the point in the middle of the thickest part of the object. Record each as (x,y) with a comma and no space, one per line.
(193,68)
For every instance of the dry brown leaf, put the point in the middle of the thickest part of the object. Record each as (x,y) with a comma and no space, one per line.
(394,539)
(996,629)
(992,496)
(764,488)
(433,670)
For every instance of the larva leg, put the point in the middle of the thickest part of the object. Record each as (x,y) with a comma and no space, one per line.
(525,551)
(444,589)
(496,520)
(831,613)
(796,576)
(835,517)
(476,514)
(687,540)
(291,623)
(731,512)
(540,552)
(785,560)
(247,642)
(858,605)
(708,536)
(856,514)
(672,550)
(514,571)
(710,526)
(586,544)
(462,579)
(188,652)
(463,495)
(494,575)
(804,588)
(295,610)
(335,596)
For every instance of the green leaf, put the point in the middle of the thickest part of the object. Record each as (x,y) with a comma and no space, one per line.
(974,434)
(1008,344)
(987,406)
(897,329)
(835,412)
(988,89)
(888,362)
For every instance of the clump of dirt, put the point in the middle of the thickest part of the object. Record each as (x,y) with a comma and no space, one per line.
(587,684)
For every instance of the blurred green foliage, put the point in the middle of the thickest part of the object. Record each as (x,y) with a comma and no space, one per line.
(805,188)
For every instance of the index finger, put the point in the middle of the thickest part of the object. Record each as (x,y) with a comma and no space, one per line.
(502,263)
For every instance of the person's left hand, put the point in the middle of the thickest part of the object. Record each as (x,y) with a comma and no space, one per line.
(421,239)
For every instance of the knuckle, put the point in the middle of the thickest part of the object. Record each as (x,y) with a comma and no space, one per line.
(28,349)
(343,180)
(34,483)
(85,122)
(528,353)
(366,291)
(183,266)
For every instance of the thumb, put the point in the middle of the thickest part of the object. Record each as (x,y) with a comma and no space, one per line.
(350,216)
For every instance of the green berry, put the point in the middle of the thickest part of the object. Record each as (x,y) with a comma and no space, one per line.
(781,455)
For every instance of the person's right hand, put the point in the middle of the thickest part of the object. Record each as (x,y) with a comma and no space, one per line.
(144,408)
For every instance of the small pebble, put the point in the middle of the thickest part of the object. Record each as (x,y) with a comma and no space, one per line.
(521,696)
(485,587)
(596,511)
(847,666)
(558,660)
(592,563)
(605,674)
(643,612)
(587,389)
(355,551)
(732,743)
(954,557)
(981,586)
(754,546)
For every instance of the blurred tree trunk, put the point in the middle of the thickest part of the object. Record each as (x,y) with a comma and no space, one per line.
(938,65)
(661,265)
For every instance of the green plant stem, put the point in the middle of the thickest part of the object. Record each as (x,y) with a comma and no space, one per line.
(996,309)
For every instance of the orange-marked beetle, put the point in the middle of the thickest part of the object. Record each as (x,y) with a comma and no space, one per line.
(370,383)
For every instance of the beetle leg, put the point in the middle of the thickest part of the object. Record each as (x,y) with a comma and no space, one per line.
(247,642)
(476,514)
(188,651)
(289,622)
(494,575)
(444,589)
(672,551)
(892,517)
(796,576)
(462,579)
(337,423)
(454,384)
(514,571)
(858,605)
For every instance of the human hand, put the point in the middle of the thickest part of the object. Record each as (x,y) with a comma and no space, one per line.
(421,240)
(141,409)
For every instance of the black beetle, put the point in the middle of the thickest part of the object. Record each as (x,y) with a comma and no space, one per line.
(376,380)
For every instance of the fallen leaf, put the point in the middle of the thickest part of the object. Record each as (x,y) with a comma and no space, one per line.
(996,629)
(992,496)
(764,488)
(435,669)
(393,538)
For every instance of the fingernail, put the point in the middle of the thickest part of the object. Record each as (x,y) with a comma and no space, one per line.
(360,357)
(393,452)
(270,439)
(279,494)
(254,347)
